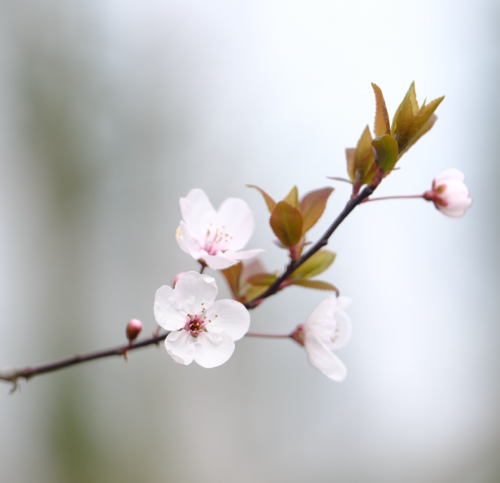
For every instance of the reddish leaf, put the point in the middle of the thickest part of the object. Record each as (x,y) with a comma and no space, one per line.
(292,198)
(382,123)
(312,207)
(232,275)
(286,222)
(317,284)
(269,201)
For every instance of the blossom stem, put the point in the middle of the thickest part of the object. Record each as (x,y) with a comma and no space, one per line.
(202,268)
(293,265)
(396,197)
(268,336)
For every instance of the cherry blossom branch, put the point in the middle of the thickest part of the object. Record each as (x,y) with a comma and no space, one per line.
(323,241)
(28,372)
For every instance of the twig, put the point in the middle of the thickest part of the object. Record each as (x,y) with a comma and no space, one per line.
(28,372)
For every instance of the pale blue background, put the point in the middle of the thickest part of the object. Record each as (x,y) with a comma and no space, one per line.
(112,110)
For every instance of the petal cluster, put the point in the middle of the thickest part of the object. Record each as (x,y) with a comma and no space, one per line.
(215,237)
(326,329)
(202,329)
(449,193)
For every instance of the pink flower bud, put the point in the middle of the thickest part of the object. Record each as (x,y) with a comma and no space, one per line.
(449,193)
(134,328)
(177,277)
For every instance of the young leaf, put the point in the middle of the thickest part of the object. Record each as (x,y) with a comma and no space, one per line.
(312,207)
(262,279)
(232,275)
(382,123)
(315,265)
(286,222)
(292,198)
(404,117)
(422,123)
(269,201)
(386,148)
(317,284)
(361,161)
(350,154)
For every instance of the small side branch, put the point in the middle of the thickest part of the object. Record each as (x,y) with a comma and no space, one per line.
(292,266)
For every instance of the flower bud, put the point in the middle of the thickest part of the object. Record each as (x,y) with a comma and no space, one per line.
(177,277)
(134,328)
(449,193)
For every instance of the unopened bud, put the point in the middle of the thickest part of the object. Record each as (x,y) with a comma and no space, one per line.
(134,328)
(177,277)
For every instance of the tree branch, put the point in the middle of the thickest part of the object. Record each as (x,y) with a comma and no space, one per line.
(14,375)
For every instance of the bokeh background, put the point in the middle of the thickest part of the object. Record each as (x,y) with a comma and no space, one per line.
(110,110)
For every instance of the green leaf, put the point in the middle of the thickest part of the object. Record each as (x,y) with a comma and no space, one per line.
(292,198)
(404,117)
(386,148)
(382,123)
(312,207)
(262,279)
(286,222)
(269,201)
(317,284)
(232,275)
(422,122)
(315,265)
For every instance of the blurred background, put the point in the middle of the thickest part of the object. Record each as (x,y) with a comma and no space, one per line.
(111,110)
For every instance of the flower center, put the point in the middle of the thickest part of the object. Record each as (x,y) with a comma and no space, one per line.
(217,239)
(196,324)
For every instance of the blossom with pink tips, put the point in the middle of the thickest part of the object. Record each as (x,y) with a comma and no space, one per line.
(215,238)
(326,329)
(201,329)
(449,193)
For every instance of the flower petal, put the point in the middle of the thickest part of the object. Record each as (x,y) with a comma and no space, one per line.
(191,244)
(180,346)
(322,315)
(242,255)
(167,312)
(323,359)
(180,240)
(218,262)
(237,219)
(197,212)
(212,350)
(343,330)
(195,292)
(230,317)
(450,174)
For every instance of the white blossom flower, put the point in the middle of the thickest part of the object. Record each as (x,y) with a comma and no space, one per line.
(201,329)
(215,237)
(327,328)
(449,193)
